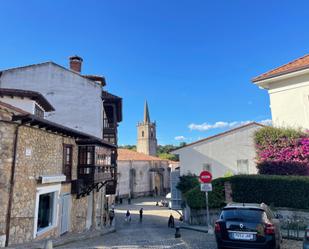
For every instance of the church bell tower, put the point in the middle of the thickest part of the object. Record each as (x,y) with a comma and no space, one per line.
(146,135)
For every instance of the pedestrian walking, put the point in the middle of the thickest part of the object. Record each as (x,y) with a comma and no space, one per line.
(171,221)
(128,216)
(141,215)
(113,206)
(111,217)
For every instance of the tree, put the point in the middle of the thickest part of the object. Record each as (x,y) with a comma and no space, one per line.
(187,182)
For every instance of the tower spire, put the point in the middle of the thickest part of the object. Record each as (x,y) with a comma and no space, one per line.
(146,113)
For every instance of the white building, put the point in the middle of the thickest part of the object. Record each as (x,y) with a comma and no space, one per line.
(230,152)
(288,88)
(77,98)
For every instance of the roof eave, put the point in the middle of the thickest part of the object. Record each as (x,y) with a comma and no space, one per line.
(265,81)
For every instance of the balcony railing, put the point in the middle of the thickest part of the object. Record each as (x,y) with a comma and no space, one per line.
(108,125)
(94,174)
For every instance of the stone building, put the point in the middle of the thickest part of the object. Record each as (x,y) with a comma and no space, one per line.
(141,175)
(52,177)
(146,135)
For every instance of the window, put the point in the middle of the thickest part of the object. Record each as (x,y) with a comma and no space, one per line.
(45,215)
(243,166)
(46,207)
(86,155)
(142,133)
(67,161)
(207,167)
(38,111)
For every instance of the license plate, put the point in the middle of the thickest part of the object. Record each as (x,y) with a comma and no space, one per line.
(242,236)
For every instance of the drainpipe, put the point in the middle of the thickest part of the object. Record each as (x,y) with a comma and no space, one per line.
(12,182)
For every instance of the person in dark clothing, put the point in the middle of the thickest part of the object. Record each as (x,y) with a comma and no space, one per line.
(128,216)
(141,215)
(171,221)
(111,217)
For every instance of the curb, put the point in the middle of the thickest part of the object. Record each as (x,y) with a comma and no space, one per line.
(83,237)
(194,229)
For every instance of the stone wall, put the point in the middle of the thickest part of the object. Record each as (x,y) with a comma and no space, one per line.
(141,181)
(38,153)
(7,135)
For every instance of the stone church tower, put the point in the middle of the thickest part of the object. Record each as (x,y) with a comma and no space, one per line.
(146,135)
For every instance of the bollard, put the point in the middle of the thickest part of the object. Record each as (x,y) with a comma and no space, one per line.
(48,244)
(177,233)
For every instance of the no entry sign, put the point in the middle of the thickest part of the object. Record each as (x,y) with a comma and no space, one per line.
(205,177)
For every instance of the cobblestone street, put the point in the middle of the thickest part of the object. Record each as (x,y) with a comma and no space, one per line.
(151,233)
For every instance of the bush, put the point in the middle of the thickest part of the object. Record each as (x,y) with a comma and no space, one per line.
(271,135)
(187,182)
(282,151)
(196,199)
(278,191)
(283,168)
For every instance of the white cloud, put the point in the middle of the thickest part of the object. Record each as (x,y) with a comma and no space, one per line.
(221,124)
(180,138)
(267,122)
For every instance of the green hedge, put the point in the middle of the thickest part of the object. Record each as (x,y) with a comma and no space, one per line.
(196,199)
(278,191)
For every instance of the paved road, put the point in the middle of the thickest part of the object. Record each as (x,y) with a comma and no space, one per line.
(151,233)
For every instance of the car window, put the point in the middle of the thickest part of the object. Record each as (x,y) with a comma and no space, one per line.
(249,215)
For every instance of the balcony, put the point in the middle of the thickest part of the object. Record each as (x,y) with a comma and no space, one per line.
(95,174)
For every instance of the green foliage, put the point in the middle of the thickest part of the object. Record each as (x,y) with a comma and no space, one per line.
(163,151)
(278,191)
(168,156)
(166,148)
(271,135)
(228,173)
(187,183)
(196,198)
(128,147)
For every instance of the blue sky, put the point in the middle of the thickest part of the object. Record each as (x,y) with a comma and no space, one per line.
(192,60)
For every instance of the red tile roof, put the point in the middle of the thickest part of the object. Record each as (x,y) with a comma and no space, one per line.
(131,155)
(293,66)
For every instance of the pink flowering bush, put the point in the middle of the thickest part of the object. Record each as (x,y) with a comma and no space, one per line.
(282,151)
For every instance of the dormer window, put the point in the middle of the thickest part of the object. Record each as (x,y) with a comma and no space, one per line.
(38,111)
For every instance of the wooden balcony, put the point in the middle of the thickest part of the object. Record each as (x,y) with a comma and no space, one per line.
(91,174)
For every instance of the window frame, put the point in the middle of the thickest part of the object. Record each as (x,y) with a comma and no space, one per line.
(55,189)
(242,162)
(65,164)
(38,111)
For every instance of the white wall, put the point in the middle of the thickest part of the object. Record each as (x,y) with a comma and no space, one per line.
(24,104)
(221,153)
(289,101)
(77,100)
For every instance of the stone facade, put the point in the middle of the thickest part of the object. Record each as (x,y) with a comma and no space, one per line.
(146,135)
(137,179)
(39,153)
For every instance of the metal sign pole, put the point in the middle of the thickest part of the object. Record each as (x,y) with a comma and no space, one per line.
(207,211)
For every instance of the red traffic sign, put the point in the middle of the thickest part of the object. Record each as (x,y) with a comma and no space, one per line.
(205,177)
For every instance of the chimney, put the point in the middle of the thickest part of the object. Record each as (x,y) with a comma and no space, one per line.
(76,63)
